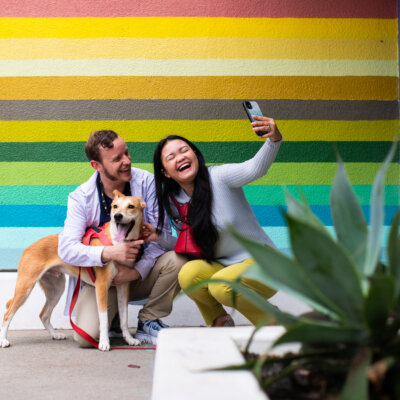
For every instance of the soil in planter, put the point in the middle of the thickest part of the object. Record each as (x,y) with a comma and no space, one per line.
(303,383)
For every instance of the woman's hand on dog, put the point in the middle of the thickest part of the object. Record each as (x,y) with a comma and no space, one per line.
(122,252)
(125,274)
(149,232)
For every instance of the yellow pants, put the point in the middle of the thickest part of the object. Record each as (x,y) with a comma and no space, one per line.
(210,299)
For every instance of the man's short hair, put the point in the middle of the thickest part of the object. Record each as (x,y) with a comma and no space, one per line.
(104,138)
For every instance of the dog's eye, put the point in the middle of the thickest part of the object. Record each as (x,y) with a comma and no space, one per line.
(115,206)
(131,206)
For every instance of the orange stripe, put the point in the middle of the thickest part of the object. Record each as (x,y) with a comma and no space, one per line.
(198,87)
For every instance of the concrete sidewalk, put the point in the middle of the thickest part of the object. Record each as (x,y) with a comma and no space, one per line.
(37,367)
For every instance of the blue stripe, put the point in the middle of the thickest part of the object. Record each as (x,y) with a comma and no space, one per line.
(15,240)
(51,216)
(32,216)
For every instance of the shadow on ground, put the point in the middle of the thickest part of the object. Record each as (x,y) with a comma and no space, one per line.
(37,367)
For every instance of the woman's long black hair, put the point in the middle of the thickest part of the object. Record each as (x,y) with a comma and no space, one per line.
(204,232)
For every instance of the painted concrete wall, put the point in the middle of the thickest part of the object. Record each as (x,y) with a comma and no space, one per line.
(328,73)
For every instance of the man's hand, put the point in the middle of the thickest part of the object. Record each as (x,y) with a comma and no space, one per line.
(122,252)
(125,274)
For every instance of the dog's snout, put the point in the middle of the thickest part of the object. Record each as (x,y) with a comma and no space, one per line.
(118,217)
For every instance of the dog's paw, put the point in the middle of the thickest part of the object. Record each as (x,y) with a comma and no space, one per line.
(104,345)
(58,336)
(4,343)
(132,341)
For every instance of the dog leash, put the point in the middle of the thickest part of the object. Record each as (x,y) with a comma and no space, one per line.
(101,235)
(83,333)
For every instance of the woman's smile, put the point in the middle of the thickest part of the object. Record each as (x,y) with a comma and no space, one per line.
(180,163)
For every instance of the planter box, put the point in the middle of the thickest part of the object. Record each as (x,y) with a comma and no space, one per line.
(185,354)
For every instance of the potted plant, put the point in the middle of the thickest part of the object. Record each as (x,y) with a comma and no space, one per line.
(350,344)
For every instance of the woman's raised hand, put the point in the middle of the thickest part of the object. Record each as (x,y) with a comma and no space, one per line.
(267,125)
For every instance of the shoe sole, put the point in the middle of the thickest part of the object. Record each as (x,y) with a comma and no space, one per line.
(146,338)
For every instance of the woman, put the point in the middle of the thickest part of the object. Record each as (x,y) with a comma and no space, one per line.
(216,199)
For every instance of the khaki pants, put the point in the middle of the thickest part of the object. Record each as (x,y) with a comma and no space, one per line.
(159,287)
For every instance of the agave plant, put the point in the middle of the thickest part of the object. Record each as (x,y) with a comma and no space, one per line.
(354,330)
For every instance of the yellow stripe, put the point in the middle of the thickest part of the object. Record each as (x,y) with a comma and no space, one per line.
(200,47)
(201,131)
(198,87)
(153,27)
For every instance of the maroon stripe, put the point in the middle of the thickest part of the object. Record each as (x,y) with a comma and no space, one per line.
(201,8)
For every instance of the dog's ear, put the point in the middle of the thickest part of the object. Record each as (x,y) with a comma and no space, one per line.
(142,203)
(117,194)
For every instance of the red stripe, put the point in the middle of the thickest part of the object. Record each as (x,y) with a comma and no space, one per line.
(200,8)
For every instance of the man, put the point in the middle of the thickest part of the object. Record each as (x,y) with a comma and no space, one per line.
(154,275)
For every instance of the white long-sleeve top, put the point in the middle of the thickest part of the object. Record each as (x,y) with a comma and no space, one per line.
(230,205)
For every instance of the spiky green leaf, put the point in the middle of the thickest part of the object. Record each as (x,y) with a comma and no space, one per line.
(393,251)
(329,267)
(356,386)
(348,218)
(276,270)
(321,333)
(374,241)
(379,302)
(301,211)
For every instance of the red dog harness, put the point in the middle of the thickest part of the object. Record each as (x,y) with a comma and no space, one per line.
(95,233)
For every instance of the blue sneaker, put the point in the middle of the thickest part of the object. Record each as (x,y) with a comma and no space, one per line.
(147,331)
(151,327)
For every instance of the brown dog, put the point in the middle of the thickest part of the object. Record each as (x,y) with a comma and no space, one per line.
(40,262)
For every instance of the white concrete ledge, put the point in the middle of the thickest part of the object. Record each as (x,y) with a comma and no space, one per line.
(185,312)
(185,356)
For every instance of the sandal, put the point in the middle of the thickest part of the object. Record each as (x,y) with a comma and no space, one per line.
(223,321)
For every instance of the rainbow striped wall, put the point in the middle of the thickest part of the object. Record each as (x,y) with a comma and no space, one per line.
(327,72)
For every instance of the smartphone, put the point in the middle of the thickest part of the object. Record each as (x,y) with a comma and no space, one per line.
(252,108)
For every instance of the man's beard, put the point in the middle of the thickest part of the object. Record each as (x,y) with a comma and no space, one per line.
(108,175)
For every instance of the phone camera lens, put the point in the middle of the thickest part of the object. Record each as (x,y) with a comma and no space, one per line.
(248,105)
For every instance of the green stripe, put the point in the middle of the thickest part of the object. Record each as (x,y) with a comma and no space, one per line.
(214,152)
(256,194)
(61,173)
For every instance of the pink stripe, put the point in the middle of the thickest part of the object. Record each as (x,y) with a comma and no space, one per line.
(200,8)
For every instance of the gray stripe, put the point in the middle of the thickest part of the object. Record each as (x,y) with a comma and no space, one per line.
(78,110)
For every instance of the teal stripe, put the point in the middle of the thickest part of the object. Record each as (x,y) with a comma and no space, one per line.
(279,235)
(315,194)
(214,152)
(35,194)
(256,194)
